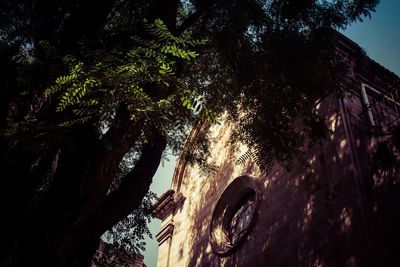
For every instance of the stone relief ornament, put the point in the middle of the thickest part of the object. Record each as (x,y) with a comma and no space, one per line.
(234,215)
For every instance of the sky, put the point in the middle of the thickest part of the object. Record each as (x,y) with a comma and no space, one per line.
(378,36)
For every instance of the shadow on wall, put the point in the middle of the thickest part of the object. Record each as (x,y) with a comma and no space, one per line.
(340,209)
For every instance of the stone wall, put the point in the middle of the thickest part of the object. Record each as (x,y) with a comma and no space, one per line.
(333,210)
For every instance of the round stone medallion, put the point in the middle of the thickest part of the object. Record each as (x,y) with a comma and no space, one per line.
(234,215)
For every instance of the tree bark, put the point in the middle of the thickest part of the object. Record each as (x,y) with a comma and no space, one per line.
(134,187)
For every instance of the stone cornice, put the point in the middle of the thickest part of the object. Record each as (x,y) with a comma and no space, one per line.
(167,203)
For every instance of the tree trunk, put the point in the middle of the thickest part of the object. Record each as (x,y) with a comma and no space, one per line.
(64,227)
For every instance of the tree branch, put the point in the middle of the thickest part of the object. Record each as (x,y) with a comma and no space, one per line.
(134,186)
(116,142)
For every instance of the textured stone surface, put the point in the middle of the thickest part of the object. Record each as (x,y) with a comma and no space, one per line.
(333,212)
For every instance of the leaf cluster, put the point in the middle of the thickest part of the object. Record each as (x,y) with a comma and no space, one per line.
(130,232)
(142,80)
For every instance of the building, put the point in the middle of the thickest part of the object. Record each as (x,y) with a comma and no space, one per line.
(343,209)
(110,255)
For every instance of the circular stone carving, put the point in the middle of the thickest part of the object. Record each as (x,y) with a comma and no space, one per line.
(234,215)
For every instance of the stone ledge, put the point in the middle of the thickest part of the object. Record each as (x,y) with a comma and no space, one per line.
(165,233)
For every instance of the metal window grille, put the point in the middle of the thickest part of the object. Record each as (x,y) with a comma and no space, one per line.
(382,109)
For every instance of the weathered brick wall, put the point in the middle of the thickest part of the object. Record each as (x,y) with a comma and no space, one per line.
(110,255)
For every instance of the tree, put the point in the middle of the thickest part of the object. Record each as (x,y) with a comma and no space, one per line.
(87,85)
